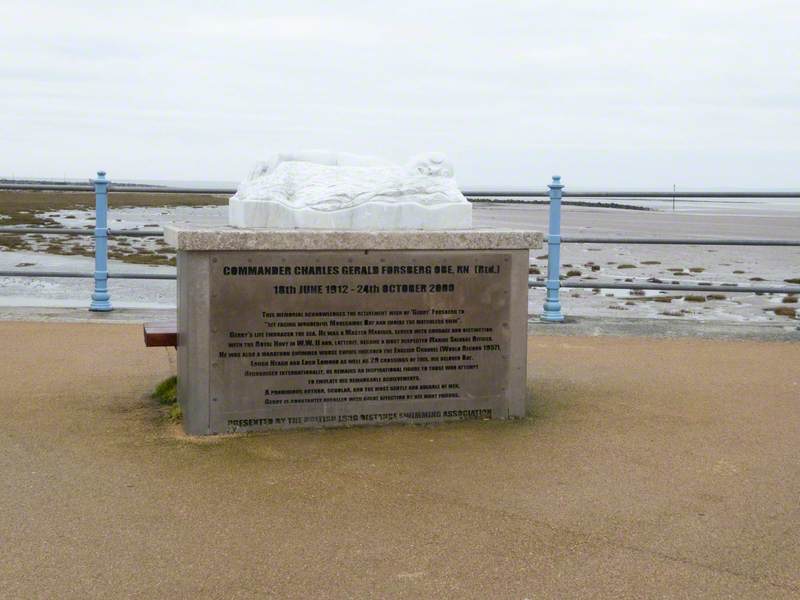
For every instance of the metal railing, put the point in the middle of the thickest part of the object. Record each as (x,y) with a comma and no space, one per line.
(469,193)
(552,311)
(101,297)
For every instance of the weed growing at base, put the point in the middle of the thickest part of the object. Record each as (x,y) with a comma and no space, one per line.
(166,393)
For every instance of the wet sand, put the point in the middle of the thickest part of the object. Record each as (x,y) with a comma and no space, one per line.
(711,264)
(672,475)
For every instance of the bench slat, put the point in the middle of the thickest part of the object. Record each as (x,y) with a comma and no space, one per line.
(161,334)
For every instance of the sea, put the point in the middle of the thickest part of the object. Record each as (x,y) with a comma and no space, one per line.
(732,206)
(712,206)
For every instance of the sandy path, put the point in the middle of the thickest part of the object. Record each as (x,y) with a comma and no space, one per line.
(648,468)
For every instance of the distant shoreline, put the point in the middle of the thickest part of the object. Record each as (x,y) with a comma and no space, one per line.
(72,182)
(563,203)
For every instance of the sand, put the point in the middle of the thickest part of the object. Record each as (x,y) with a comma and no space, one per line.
(647,468)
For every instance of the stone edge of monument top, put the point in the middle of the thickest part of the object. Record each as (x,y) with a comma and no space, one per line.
(184,237)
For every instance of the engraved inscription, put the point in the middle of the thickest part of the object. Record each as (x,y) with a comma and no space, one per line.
(312,339)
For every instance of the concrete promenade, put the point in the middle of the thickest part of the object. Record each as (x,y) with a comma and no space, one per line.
(658,468)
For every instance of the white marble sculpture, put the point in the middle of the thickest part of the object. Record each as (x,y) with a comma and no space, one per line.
(326,190)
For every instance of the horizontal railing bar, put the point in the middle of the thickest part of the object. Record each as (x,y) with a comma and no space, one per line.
(46,274)
(173,190)
(564,240)
(81,231)
(666,287)
(47,187)
(142,276)
(144,189)
(677,241)
(87,275)
(477,193)
(48,230)
(625,194)
(670,195)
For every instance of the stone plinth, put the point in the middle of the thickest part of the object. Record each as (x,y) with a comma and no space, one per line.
(310,328)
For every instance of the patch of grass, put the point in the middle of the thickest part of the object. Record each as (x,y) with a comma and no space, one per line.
(790,299)
(716,297)
(757,279)
(738,272)
(693,298)
(626,266)
(77,251)
(651,262)
(175,413)
(793,280)
(166,392)
(534,271)
(595,267)
(12,241)
(697,269)
(662,299)
(25,204)
(25,208)
(144,257)
(785,311)
(573,273)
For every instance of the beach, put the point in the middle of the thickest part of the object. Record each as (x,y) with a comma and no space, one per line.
(588,263)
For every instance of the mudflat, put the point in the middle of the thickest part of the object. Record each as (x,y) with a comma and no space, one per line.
(646,468)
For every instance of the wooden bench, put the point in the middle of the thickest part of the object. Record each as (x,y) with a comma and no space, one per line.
(163,333)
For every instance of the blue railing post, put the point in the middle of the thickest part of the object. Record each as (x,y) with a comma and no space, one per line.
(101,299)
(552,305)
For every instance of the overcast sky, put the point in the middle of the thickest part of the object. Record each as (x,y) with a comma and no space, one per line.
(702,93)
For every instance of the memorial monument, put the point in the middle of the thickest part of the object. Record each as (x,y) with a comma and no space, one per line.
(347,290)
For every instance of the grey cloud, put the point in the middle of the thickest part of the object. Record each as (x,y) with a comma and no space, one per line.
(609,94)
